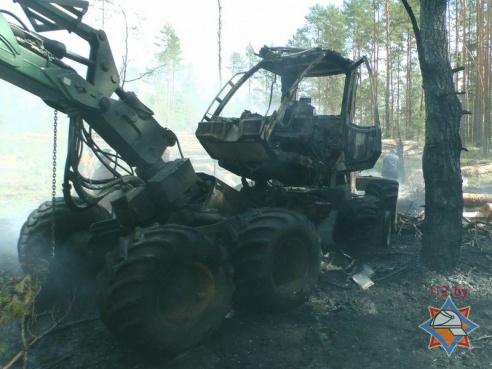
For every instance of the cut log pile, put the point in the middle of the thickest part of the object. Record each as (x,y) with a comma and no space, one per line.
(473,200)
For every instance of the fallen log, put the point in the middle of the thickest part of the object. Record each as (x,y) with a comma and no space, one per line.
(475,170)
(476,199)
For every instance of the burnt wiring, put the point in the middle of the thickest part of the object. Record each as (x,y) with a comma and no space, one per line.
(91,191)
(109,160)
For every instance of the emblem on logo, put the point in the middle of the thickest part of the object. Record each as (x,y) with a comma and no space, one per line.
(449,326)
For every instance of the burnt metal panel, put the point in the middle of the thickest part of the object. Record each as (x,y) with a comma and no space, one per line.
(332,62)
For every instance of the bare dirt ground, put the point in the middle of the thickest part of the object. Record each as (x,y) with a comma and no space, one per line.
(341,326)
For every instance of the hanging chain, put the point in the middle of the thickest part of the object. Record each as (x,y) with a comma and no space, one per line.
(53,183)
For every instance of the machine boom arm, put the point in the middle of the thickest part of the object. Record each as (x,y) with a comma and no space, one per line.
(33,63)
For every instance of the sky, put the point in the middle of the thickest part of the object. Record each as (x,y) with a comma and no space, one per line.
(244,22)
(259,22)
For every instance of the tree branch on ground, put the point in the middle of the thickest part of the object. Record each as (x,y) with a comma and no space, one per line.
(17,301)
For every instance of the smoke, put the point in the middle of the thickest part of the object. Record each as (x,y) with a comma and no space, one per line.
(26,163)
(10,226)
(9,230)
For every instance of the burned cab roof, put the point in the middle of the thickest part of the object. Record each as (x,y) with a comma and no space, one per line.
(288,60)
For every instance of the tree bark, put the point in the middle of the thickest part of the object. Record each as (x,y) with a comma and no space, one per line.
(387,90)
(408,91)
(478,112)
(487,81)
(442,229)
(465,127)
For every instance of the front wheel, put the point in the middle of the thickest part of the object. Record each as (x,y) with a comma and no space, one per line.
(166,291)
(277,261)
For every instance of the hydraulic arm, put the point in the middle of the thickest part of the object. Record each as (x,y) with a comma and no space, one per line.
(34,63)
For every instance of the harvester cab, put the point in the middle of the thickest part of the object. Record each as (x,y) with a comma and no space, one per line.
(281,135)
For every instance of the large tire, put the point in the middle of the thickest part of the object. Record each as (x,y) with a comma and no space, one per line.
(71,261)
(362,225)
(277,261)
(166,291)
(387,191)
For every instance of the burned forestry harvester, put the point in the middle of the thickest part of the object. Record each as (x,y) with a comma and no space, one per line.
(181,248)
(302,158)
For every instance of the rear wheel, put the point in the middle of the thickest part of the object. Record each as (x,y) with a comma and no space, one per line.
(276,262)
(362,224)
(166,291)
(387,191)
(71,260)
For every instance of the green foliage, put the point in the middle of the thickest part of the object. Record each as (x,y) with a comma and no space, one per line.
(359,16)
(301,39)
(4,349)
(237,63)
(17,299)
(17,296)
(174,93)
(325,27)
(169,46)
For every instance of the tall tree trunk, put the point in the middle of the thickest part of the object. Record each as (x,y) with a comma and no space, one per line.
(480,86)
(398,107)
(466,73)
(457,20)
(442,229)
(487,80)
(387,114)
(375,47)
(219,39)
(408,91)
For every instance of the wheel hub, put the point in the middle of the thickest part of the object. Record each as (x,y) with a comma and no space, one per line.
(186,293)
